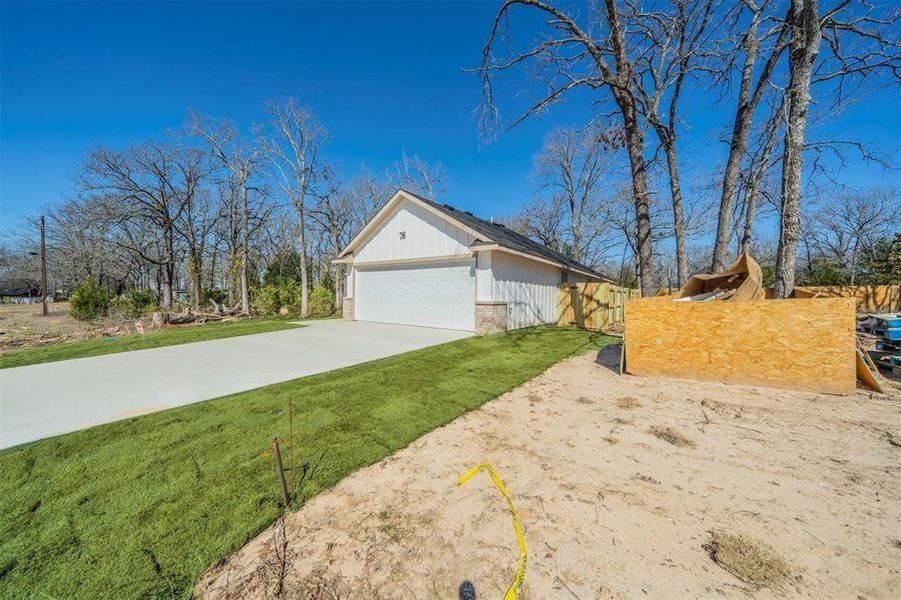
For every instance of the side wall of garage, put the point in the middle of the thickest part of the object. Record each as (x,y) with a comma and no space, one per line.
(528,287)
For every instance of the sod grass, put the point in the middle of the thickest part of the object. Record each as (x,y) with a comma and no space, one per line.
(184,334)
(140,508)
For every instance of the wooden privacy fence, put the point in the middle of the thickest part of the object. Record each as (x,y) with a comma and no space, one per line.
(869,298)
(594,306)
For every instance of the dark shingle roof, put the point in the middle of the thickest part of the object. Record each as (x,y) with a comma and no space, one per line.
(507,237)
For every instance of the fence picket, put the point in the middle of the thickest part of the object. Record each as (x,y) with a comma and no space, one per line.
(594,306)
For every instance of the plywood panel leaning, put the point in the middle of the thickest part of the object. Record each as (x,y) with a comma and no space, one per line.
(806,344)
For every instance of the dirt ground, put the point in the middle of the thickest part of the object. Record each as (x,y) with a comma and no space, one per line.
(22,326)
(624,487)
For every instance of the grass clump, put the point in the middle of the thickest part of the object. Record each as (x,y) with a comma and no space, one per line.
(141,507)
(751,561)
(389,525)
(671,436)
(173,336)
(628,403)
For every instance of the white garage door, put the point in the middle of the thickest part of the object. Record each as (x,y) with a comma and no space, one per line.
(429,295)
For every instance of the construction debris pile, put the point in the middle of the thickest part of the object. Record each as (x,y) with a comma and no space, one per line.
(887,332)
(721,327)
(743,280)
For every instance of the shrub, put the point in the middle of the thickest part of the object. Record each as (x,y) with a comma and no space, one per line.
(270,298)
(322,301)
(264,300)
(137,303)
(88,301)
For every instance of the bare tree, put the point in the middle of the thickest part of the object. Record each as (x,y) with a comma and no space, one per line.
(571,166)
(342,211)
(756,171)
(845,228)
(542,219)
(604,56)
(680,40)
(241,160)
(79,246)
(293,151)
(416,175)
(755,38)
(143,183)
(197,222)
(858,45)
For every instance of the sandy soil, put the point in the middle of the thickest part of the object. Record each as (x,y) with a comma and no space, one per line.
(608,509)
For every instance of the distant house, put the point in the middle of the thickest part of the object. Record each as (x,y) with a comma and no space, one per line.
(19,291)
(418,262)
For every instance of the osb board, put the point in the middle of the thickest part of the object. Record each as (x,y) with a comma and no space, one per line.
(806,344)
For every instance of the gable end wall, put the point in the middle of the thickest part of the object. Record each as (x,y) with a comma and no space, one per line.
(425,235)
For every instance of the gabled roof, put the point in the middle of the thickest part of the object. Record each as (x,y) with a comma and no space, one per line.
(485,232)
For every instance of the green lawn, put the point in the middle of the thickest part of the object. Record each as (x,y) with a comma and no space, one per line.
(140,508)
(184,334)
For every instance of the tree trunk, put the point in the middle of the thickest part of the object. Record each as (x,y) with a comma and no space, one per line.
(195,272)
(340,281)
(744,115)
(805,45)
(168,268)
(576,230)
(304,278)
(233,260)
(644,254)
(678,217)
(756,180)
(213,257)
(245,235)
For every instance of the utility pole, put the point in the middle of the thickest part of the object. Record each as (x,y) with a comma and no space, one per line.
(43,271)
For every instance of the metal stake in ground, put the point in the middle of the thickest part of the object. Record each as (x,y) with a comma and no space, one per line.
(280,469)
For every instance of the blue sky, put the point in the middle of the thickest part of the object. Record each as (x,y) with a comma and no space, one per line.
(382,78)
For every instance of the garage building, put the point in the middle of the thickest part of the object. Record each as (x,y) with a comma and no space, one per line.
(421,263)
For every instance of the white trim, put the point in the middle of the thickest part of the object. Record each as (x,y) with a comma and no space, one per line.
(414,260)
(398,197)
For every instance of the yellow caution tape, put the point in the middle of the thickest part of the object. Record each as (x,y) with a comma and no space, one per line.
(516,586)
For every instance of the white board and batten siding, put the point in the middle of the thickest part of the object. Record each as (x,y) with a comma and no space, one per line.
(528,287)
(431,293)
(412,231)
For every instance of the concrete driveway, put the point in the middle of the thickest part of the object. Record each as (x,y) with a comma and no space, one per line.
(38,401)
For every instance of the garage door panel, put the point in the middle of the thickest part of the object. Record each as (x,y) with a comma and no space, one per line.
(429,295)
